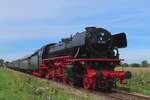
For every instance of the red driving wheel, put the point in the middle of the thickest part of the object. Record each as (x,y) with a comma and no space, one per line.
(88,83)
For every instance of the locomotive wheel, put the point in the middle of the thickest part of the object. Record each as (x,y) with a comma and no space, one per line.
(71,83)
(88,83)
(54,78)
(64,80)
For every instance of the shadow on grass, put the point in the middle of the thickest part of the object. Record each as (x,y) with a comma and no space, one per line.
(124,88)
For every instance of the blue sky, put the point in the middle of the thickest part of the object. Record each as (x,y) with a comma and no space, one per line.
(26,25)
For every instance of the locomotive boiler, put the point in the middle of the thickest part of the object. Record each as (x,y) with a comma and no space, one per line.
(85,59)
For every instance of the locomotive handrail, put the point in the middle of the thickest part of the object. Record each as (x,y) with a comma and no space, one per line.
(97,59)
(69,58)
(61,57)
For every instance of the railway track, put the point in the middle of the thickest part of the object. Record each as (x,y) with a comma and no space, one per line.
(123,95)
(115,94)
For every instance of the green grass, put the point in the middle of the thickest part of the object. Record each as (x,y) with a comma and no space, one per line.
(18,86)
(140,81)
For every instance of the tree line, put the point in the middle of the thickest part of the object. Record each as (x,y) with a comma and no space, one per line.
(3,63)
(143,63)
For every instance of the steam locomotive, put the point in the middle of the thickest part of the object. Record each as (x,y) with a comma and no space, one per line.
(85,59)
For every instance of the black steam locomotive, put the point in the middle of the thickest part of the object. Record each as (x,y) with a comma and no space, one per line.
(87,59)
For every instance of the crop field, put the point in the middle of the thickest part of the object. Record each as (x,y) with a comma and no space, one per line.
(140,81)
(18,86)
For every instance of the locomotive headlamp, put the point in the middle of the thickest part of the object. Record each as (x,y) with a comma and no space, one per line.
(101,38)
(102,34)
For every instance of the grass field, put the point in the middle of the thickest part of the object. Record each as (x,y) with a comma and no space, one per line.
(140,81)
(18,86)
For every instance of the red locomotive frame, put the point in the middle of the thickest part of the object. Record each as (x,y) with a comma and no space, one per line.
(57,72)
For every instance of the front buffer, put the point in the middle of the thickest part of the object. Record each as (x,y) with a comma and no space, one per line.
(105,79)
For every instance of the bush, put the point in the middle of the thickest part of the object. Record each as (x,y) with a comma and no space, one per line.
(144,63)
(1,62)
(125,65)
(135,65)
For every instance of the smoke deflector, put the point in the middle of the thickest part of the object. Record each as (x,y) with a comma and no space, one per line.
(119,40)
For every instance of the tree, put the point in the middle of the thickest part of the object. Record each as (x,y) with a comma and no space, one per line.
(125,65)
(144,63)
(135,65)
(1,62)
